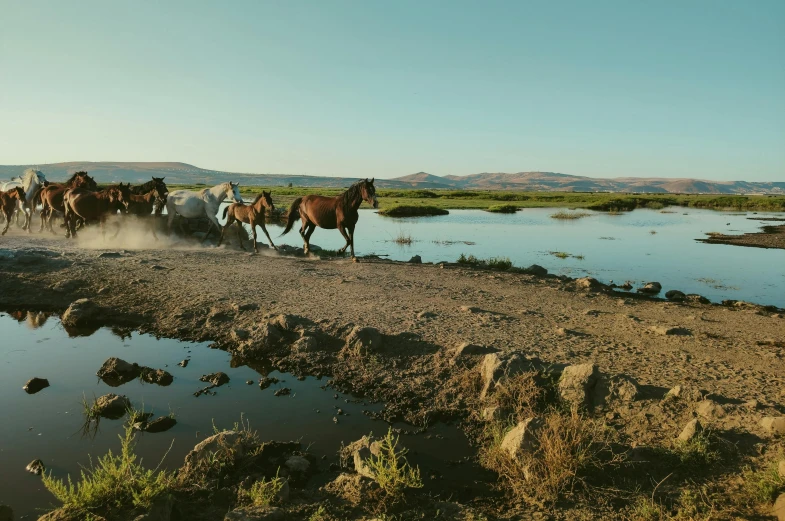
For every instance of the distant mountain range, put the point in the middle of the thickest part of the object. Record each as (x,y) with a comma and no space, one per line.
(182,173)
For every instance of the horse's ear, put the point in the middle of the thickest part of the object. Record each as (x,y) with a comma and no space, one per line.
(372,180)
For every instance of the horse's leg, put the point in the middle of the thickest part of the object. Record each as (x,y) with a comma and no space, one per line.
(350,230)
(117,231)
(153,223)
(240,235)
(229,221)
(342,229)
(264,229)
(311,228)
(213,222)
(8,217)
(253,236)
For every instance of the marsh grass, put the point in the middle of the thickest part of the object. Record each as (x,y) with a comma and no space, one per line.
(392,472)
(403,238)
(115,483)
(502,208)
(570,215)
(262,493)
(565,255)
(412,211)
(496,263)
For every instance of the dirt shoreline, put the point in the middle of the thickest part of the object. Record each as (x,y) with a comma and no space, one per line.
(770,236)
(258,307)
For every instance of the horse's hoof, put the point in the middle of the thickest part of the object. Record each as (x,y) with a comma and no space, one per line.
(354,259)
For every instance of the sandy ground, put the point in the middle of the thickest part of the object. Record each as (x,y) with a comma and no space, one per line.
(734,352)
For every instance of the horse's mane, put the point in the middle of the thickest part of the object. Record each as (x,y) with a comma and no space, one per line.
(257,198)
(143,188)
(29,174)
(73,177)
(353,193)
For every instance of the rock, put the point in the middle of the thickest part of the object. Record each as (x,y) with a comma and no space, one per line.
(183,363)
(116,371)
(467,349)
(80,313)
(239,334)
(111,406)
(306,344)
(357,454)
(492,413)
(283,391)
(627,286)
(522,438)
(710,410)
(697,299)
(110,255)
(364,340)
(495,367)
(6,514)
(589,284)
(249,306)
(216,379)
(36,467)
(692,429)
(537,270)
(563,331)
(298,464)
(162,424)
(229,442)
(577,384)
(671,331)
(34,385)
(680,392)
(471,309)
(255,514)
(779,508)
(415,260)
(675,295)
(426,315)
(650,288)
(267,381)
(156,376)
(774,425)
(781,468)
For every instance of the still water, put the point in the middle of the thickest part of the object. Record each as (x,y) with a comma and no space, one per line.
(47,425)
(607,247)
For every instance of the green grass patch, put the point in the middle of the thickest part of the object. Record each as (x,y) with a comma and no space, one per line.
(497,263)
(412,211)
(261,493)
(392,472)
(502,208)
(569,215)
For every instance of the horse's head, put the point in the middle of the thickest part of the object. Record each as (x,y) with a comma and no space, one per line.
(369,192)
(120,195)
(18,192)
(266,200)
(160,186)
(233,192)
(83,180)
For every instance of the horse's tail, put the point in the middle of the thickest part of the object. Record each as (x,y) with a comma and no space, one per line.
(294,214)
(226,210)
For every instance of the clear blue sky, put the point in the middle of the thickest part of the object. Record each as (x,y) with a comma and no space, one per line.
(387,88)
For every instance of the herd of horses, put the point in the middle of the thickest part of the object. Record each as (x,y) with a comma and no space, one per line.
(81,202)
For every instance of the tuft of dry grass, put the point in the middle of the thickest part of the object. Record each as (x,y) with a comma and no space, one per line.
(570,215)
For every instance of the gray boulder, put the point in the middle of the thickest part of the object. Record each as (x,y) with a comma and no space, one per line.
(80,313)
(577,384)
(675,295)
(522,439)
(111,405)
(692,429)
(650,288)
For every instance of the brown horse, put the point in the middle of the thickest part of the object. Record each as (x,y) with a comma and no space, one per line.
(95,206)
(51,196)
(142,206)
(252,214)
(332,212)
(9,201)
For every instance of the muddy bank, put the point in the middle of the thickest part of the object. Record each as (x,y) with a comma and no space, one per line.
(418,338)
(768,237)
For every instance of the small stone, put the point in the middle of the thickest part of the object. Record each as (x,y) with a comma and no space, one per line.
(216,379)
(536,270)
(283,391)
(36,467)
(589,284)
(35,384)
(675,295)
(471,309)
(467,349)
(577,383)
(671,331)
(425,315)
(779,508)
(184,363)
(111,406)
(161,424)
(522,438)
(650,288)
(781,468)
(415,260)
(298,464)
(692,429)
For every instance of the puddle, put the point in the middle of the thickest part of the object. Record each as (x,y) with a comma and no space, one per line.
(48,425)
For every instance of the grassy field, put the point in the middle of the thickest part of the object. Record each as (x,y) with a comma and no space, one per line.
(483,200)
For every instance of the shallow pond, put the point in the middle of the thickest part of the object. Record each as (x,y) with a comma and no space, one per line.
(48,425)
(608,247)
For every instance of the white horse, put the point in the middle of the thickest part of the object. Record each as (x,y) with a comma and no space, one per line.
(31,182)
(204,203)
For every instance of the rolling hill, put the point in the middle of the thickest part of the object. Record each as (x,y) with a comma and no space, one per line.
(183,173)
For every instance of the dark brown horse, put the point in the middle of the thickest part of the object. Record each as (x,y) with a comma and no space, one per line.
(332,212)
(156,183)
(9,201)
(51,196)
(95,206)
(142,206)
(252,214)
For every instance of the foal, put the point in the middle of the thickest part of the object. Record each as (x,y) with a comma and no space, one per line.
(252,214)
(142,206)
(8,203)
